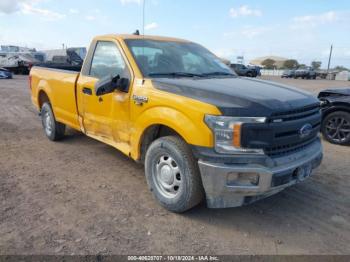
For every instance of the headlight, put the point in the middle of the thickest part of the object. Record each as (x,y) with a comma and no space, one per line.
(323,102)
(227,133)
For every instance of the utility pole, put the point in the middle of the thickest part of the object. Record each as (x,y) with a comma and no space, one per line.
(330,57)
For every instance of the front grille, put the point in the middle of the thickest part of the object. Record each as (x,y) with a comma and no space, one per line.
(288,148)
(295,114)
(281,134)
(295,132)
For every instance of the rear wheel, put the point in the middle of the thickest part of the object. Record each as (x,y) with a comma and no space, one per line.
(336,128)
(173,175)
(53,129)
(249,74)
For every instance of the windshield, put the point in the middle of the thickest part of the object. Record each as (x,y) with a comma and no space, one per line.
(176,59)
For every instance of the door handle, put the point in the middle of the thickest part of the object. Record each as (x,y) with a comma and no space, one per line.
(87,91)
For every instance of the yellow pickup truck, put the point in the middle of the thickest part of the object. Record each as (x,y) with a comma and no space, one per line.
(200,130)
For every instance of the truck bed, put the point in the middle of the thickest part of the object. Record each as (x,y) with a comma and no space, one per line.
(61,66)
(60,88)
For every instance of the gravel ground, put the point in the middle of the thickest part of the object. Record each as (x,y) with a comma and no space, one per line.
(80,196)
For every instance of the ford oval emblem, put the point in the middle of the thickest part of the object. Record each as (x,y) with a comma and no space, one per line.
(305,130)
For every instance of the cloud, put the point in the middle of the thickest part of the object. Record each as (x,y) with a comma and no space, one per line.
(74,11)
(90,17)
(125,2)
(11,6)
(151,26)
(244,10)
(315,20)
(248,32)
(44,13)
(225,52)
(251,32)
(139,2)
(27,7)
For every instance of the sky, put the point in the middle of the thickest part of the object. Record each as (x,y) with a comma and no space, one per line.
(298,29)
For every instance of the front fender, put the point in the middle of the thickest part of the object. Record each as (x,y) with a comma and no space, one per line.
(191,128)
(335,106)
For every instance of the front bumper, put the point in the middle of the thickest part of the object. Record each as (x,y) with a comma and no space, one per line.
(277,174)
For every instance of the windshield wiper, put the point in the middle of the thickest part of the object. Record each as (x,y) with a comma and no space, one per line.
(185,74)
(219,74)
(175,74)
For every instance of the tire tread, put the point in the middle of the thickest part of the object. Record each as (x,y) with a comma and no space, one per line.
(59,128)
(196,193)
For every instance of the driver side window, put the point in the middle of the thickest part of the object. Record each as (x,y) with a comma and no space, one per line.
(108,60)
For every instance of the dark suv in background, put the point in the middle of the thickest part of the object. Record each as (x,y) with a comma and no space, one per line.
(243,70)
(306,73)
(288,74)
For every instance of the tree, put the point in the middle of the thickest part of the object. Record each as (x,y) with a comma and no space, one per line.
(316,64)
(341,68)
(290,64)
(268,63)
(302,66)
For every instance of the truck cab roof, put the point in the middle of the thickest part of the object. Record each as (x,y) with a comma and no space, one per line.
(141,37)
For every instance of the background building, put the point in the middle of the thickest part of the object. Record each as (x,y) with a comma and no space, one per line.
(279,61)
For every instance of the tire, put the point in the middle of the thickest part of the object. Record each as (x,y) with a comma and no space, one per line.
(336,128)
(172,174)
(53,129)
(249,74)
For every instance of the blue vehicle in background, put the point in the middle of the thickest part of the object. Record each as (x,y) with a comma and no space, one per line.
(5,74)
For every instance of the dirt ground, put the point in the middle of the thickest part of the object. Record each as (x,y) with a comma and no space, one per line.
(80,196)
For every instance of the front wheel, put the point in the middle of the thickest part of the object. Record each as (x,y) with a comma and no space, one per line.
(172,174)
(53,129)
(336,128)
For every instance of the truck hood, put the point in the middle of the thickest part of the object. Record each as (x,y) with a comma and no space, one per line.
(239,96)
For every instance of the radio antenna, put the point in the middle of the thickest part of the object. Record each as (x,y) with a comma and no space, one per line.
(143,16)
(143,29)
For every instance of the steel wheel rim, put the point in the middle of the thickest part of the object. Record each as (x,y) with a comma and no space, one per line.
(338,129)
(167,177)
(48,123)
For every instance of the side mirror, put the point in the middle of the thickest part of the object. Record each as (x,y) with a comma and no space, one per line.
(108,84)
(122,84)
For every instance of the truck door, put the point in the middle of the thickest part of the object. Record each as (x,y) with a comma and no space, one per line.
(105,117)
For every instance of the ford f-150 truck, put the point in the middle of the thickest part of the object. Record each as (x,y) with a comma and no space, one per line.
(199,129)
